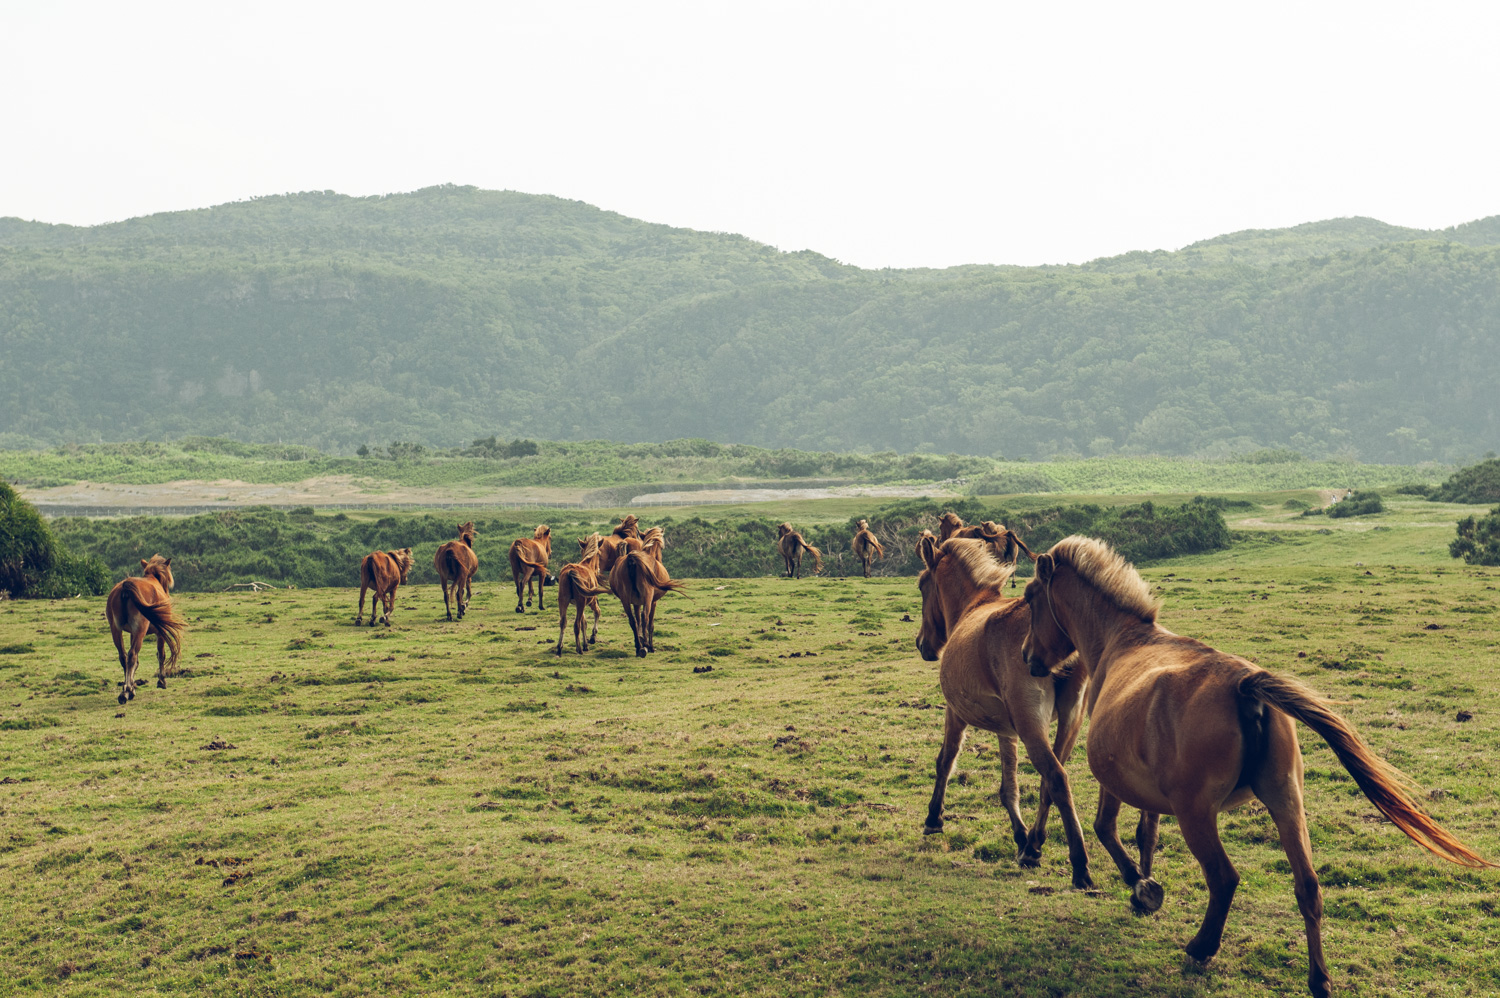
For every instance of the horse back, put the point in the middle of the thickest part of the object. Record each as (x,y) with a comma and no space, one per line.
(1169,714)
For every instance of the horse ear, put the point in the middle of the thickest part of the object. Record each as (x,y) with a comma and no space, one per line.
(1044,567)
(144,563)
(927,548)
(169,561)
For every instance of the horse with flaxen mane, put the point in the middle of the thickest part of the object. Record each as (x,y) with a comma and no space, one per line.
(139,606)
(1007,544)
(629,526)
(528,561)
(866,546)
(639,580)
(986,685)
(456,564)
(791,545)
(1178,727)
(382,571)
(579,585)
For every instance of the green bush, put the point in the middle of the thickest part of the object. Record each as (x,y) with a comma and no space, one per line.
(1478,540)
(1479,483)
(33,564)
(1357,504)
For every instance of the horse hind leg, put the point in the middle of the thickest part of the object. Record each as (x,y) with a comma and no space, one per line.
(360,615)
(1146,894)
(1010,799)
(390,606)
(1285,804)
(594,636)
(1200,831)
(124,663)
(954,729)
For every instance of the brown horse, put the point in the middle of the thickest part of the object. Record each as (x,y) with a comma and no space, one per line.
(1007,544)
(456,564)
(528,559)
(611,547)
(866,546)
(986,684)
(382,571)
(629,526)
(579,585)
(791,545)
(639,580)
(1180,728)
(140,606)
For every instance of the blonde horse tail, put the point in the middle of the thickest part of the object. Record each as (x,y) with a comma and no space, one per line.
(159,612)
(1380,781)
(874,543)
(817,556)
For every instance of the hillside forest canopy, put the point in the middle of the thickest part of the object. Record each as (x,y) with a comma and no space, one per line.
(453,314)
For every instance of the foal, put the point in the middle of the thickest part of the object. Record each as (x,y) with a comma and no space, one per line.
(528,557)
(986,684)
(579,585)
(140,606)
(791,545)
(1180,728)
(456,564)
(382,571)
(866,546)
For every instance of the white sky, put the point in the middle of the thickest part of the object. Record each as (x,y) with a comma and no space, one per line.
(913,134)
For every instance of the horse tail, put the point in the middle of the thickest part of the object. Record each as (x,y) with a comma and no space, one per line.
(452,567)
(875,543)
(570,586)
(1380,781)
(159,612)
(817,555)
(367,571)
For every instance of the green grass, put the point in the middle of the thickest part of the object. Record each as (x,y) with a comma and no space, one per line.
(449,808)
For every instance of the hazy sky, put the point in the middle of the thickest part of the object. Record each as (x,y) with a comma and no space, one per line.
(881,134)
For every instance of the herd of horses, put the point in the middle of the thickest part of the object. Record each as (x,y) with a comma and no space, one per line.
(1176,727)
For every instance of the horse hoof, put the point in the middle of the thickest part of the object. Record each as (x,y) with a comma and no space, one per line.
(1029,860)
(1082,881)
(520,608)
(356,621)
(161,684)
(933,829)
(122,698)
(1146,896)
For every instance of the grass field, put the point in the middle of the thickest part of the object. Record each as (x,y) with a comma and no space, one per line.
(449,808)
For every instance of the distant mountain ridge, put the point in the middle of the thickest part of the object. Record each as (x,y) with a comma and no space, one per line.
(453,313)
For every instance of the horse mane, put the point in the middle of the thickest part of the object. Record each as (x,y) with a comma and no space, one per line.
(590,545)
(541,533)
(466,533)
(1104,568)
(783,528)
(978,558)
(402,557)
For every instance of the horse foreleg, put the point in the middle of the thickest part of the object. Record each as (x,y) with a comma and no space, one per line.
(953,741)
(390,606)
(446,605)
(1106,827)
(161,661)
(1068,705)
(1055,780)
(360,616)
(1200,832)
(458,595)
(594,605)
(580,633)
(137,639)
(650,611)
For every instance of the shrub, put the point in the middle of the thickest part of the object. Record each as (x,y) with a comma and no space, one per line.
(1479,483)
(1478,540)
(33,564)
(1357,504)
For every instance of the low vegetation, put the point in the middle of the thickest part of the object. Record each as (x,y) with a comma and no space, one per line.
(449,808)
(33,564)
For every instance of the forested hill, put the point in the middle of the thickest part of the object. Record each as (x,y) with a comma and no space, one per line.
(453,313)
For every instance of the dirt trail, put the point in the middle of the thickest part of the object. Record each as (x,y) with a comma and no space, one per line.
(327,490)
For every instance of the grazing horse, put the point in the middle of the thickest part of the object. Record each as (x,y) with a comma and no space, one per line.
(866,546)
(638,579)
(791,545)
(139,605)
(528,558)
(579,585)
(1180,728)
(987,685)
(456,564)
(382,571)
(1007,544)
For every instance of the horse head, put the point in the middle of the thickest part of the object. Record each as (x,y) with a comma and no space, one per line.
(466,533)
(782,529)
(948,525)
(160,569)
(1047,644)
(956,570)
